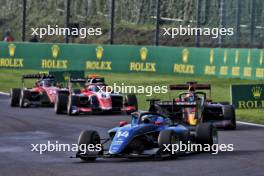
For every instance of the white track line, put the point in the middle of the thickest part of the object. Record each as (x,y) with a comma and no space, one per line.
(251,124)
(244,123)
(4,93)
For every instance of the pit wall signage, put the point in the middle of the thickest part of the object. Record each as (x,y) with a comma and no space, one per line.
(220,62)
(248,96)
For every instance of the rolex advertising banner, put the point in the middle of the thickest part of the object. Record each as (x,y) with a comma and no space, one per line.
(248,96)
(229,63)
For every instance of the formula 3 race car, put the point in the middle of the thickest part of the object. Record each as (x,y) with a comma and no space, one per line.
(221,114)
(43,93)
(146,136)
(89,95)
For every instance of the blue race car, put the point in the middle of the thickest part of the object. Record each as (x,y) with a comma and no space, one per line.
(147,135)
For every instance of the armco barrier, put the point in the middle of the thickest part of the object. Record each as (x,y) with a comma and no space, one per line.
(229,63)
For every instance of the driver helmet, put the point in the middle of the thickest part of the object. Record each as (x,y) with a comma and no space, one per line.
(149,118)
(45,83)
(89,87)
(190,97)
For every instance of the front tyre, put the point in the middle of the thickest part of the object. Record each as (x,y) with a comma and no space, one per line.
(24,98)
(229,114)
(14,97)
(87,137)
(206,134)
(166,140)
(61,103)
(72,108)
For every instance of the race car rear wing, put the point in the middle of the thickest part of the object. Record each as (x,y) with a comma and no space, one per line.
(37,76)
(190,84)
(173,109)
(88,80)
(78,80)
(95,80)
(171,103)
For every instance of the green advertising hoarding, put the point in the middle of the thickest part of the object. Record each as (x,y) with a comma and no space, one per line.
(247,96)
(64,76)
(229,63)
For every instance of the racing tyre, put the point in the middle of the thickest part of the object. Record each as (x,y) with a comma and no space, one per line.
(25,96)
(88,137)
(206,133)
(61,103)
(229,114)
(14,97)
(131,100)
(72,103)
(168,138)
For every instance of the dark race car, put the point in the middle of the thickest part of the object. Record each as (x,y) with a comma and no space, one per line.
(221,114)
(148,135)
(89,95)
(43,93)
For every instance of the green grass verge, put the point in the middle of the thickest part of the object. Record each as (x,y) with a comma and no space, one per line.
(220,87)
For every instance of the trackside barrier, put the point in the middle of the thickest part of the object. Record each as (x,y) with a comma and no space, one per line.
(221,62)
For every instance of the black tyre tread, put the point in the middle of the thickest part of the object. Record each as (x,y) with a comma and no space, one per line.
(25,94)
(165,138)
(72,101)
(15,96)
(87,137)
(204,133)
(61,103)
(229,114)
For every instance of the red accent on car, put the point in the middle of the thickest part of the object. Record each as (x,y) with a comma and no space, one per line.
(158,123)
(122,123)
(129,108)
(84,109)
(177,100)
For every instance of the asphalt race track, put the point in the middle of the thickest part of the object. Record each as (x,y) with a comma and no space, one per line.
(21,127)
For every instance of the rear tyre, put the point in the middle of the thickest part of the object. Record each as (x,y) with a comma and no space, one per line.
(87,137)
(229,114)
(61,102)
(131,100)
(14,97)
(206,134)
(168,137)
(24,97)
(73,104)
